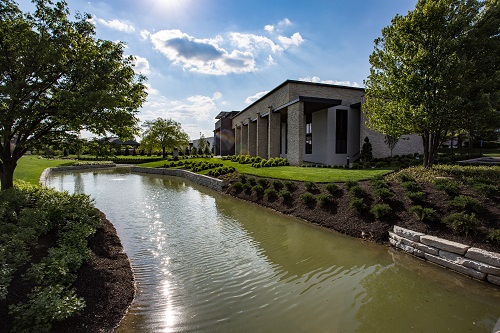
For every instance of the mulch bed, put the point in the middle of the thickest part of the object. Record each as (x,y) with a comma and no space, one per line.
(340,216)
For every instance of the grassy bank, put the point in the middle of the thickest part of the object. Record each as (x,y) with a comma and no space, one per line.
(29,168)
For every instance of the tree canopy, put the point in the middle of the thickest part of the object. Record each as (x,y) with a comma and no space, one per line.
(436,70)
(164,133)
(58,79)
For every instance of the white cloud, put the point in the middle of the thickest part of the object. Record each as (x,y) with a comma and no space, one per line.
(284,22)
(269,28)
(202,55)
(295,40)
(116,25)
(270,60)
(144,34)
(253,42)
(251,99)
(316,79)
(217,95)
(141,65)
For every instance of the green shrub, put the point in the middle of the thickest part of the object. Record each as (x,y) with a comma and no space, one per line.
(411,186)
(308,198)
(243,178)
(332,188)
(290,186)
(247,187)
(488,190)
(237,186)
(358,204)
(286,195)
(271,194)
(310,186)
(423,214)
(462,222)
(351,183)
(415,197)
(494,236)
(258,189)
(447,185)
(383,193)
(252,181)
(358,191)
(466,203)
(277,184)
(263,182)
(380,210)
(379,183)
(325,198)
(404,177)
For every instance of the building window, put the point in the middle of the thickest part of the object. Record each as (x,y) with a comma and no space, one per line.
(309,133)
(341,132)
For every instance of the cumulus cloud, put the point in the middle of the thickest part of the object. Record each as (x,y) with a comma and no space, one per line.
(269,28)
(141,65)
(116,25)
(316,79)
(284,22)
(202,55)
(253,98)
(253,42)
(144,34)
(295,40)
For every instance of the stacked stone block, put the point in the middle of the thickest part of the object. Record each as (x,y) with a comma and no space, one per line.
(471,261)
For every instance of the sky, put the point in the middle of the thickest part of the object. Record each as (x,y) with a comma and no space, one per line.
(206,56)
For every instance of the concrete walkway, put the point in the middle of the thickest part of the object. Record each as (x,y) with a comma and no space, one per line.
(488,160)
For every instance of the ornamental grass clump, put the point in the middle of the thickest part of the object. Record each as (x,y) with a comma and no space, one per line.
(325,199)
(278,185)
(308,198)
(258,189)
(271,194)
(237,186)
(285,194)
(310,186)
(290,186)
(351,183)
(332,188)
(358,204)
(358,191)
(423,214)
(383,193)
(247,187)
(263,182)
(494,236)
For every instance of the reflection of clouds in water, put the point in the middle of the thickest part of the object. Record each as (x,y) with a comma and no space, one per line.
(118,179)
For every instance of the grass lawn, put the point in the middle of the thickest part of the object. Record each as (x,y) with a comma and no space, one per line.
(29,168)
(318,175)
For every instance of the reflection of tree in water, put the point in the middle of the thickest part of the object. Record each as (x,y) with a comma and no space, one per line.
(418,296)
(79,183)
(172,183)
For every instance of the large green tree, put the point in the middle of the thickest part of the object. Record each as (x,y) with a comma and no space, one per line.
(57,78)
(427,78)
(164,133)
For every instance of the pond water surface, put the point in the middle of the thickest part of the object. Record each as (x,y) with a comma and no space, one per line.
(206,262)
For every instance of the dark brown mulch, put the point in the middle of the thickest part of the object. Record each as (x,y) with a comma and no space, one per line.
(340,216)
(106,282)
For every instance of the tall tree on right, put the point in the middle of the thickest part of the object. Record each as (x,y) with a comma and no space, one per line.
(435,70)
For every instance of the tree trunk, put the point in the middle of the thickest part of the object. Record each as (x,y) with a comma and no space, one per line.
(425,142)
(7,174)
(163,152)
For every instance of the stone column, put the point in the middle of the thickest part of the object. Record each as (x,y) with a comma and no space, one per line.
(237,140)
(252,138)
(296,133)
(261,136)
(273,134)
(244,139)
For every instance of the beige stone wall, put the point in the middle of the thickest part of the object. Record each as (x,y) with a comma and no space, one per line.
(407,144)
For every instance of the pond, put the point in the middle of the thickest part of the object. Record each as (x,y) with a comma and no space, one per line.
(207,262)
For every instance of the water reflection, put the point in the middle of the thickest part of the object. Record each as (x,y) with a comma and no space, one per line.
(205,262)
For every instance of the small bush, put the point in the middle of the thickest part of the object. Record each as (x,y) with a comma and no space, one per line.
(252,181)
(243,179)
(466,203)
(258,189)
(462,222)
(237,186)
(411,186)
(415,197)
(494,236)
(379,183)
(351,183)
(263,182)
(247,188)
(325,198)
(358,191)
(447,185)
(383,193)
(358,204)
(310,186)
(404,177)
(286,195)
(308,198)
(423,214)
(488,190)
(332,188)
(277,184)
(380,210)
(290,186)
(271,194)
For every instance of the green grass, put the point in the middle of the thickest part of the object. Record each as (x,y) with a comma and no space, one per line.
(29,168)
(318,175)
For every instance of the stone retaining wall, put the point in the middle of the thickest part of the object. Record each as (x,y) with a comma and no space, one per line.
(471,261)
(215,184)
(46,172)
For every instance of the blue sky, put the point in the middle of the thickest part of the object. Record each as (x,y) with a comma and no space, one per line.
(206,56)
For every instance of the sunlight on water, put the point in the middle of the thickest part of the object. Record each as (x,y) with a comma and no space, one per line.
(205,262)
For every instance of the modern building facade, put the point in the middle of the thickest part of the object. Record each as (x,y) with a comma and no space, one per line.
(304,122)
